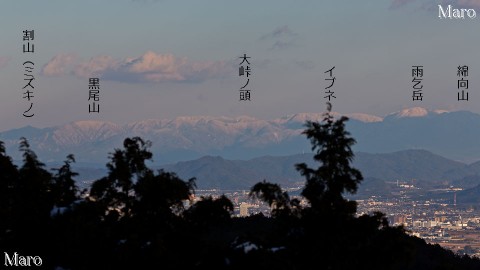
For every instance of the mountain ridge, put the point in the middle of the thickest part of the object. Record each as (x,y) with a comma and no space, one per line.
(381,172)
(424,167)
(243,137)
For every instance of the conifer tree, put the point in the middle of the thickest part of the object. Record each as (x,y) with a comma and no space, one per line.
(8,179)
(33,190)
(64,187)
(326,184)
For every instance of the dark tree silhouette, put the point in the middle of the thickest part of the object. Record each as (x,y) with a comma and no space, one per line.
(325,185)
(209,211)
(135,219)
(278,200)
(64,188)
(33,191)
(163,194)
(8,180)
(115,191)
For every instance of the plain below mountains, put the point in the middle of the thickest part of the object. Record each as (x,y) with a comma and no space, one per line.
(383,173)
(418,167)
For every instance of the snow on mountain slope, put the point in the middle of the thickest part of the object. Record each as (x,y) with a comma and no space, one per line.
(245,136)
(80,132)
(367,118)
(411,112)
(302,117)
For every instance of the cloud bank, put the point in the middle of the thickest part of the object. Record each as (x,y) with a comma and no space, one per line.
(149,67)
(58,65)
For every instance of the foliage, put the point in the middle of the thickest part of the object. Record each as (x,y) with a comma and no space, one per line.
(326,185)
(278,200)
(135,218)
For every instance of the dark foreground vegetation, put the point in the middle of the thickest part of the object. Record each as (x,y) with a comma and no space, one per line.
(135,218)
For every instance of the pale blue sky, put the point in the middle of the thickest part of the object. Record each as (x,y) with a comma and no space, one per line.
(187,52)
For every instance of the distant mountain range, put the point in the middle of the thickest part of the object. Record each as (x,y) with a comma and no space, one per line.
(418,167)
(382,173)
(450,134)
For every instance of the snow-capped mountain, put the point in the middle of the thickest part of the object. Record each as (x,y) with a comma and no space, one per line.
(411,112)
(451,134)
(415,112)
(81,132)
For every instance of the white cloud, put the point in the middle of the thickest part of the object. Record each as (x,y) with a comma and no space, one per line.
(58,65)
(95,67)
(150,67)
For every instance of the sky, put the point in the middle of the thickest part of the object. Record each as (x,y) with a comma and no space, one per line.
(165,58)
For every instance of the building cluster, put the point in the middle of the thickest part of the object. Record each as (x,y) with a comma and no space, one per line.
(243,204)
(437,221)
(456,227)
